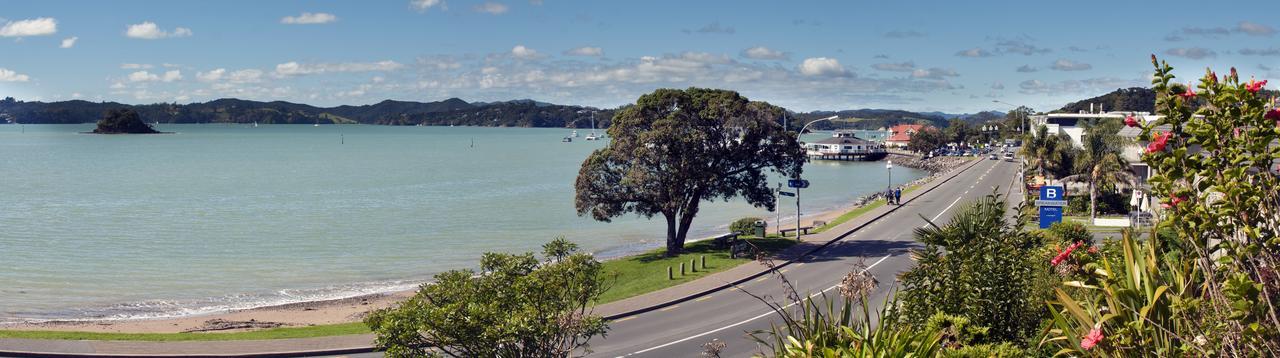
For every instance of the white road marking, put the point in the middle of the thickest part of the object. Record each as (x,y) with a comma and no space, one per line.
(686,339)
(935,218)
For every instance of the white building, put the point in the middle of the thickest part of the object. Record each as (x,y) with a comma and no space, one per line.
(1071,124)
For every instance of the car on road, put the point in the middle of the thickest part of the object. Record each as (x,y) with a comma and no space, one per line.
(992,156)
(1008,157)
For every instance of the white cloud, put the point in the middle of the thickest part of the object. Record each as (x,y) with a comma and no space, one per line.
(148,30)
(1069,65)
(144,76)
(1026,69)
(1194,53)
(1255,29)
(822,66)
(295,69)
(974,52)
(522,52)
(69,42)
(245,76)
(211,76)
(32,27)
(895,67)
(424,5)
(933,73)
(7,75)
(763,53)
(585,51)
(308,18)
(134,66)
(491,8)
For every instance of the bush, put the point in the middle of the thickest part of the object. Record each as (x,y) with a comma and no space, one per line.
(982,268)
(745,226)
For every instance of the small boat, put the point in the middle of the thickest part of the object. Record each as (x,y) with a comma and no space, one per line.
(574,134)
(593,135)
(567,139)
(255,124)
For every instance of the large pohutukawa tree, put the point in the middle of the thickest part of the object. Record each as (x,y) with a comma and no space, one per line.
(674,149)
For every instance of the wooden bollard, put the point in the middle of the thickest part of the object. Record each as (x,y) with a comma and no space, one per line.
(669,275)
(693,265)
(681,269)
(703,258)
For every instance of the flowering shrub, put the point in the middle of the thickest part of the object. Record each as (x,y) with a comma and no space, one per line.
(1210,286)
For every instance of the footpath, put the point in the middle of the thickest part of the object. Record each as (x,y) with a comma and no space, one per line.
(363,343)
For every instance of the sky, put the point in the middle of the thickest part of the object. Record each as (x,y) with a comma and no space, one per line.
(950,56)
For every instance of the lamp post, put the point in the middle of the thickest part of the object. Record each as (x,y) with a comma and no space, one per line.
(1015,107)
(889,167)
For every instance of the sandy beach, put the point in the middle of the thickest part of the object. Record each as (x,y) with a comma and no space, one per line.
(300,314)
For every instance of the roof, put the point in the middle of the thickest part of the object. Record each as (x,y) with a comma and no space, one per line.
(845,140)
(1133,132)
(906,127)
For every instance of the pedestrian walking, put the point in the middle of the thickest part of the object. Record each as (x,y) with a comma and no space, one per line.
(897,196)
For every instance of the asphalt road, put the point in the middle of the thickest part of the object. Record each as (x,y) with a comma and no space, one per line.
(683,329)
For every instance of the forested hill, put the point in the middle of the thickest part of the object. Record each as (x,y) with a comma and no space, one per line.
(868,119)
(453,111)
(1135,99)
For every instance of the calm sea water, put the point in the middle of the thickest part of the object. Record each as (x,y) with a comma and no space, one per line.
(219,217)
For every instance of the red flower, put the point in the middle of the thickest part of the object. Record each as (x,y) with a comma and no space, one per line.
(1093,249)
(1175,200)
(1130,121)
(1213,77)
(1062,256)
(1092,339)
(1255,86)
(1273,115)
(1190,93)
(1158,142)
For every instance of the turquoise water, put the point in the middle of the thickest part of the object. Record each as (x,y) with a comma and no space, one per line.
(218,217)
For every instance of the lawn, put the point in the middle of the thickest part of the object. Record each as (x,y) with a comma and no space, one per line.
(274,333)
(861,210)
(631,276)
(636,275)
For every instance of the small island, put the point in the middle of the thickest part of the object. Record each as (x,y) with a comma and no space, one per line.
(123,121)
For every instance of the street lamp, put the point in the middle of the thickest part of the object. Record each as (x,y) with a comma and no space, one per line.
(806,125)
(1015,107)
(889,167)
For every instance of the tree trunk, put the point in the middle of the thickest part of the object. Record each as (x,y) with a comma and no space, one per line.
(675,243)
(1093,202)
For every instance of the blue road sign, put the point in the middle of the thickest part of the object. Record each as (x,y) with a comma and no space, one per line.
(1050,214)
(798,183)
(786,193)
(1053,193)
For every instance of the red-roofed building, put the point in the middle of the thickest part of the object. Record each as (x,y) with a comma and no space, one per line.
(900,135)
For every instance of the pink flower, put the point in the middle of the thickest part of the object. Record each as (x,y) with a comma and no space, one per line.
(1130,121)
(1189,94)
(1213,77)
(1175,200)
(1093,249)
(1255,86)
(1062,256)
(1092,339)
(1158,142)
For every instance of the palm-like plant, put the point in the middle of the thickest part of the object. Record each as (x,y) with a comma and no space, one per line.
(1099,163)
(1046,153)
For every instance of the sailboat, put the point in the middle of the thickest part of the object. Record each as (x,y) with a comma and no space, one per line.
(255,124)
(574,134)
(593,135)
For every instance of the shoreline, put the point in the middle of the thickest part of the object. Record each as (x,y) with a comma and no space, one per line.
(341,310)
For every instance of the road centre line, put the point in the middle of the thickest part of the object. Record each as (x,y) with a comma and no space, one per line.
(752,318)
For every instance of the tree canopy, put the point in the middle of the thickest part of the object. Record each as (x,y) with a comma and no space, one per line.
(515,306)
(676,148)
(123,121)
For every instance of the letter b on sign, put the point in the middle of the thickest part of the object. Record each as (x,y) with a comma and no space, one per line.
(1052,192)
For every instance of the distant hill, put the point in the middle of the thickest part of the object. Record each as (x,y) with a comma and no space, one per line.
(453,111)
(867,119)
(1136,99)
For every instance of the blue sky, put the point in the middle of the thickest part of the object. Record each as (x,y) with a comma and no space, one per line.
(954,56)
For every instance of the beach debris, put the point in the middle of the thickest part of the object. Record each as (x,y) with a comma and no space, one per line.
(224,325)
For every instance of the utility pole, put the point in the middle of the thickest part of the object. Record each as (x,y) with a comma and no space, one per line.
(777,222)
(797,214)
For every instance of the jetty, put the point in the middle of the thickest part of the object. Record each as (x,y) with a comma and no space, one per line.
(845,145)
